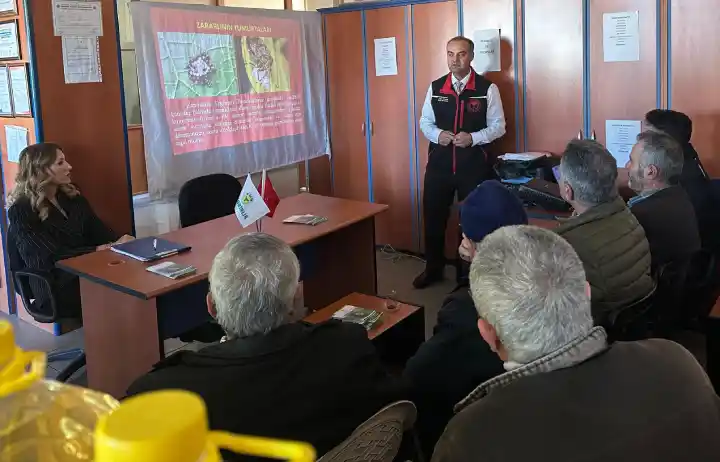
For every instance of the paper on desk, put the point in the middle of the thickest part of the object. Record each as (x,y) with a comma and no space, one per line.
(620,137)
(385,57)
(523,156)
(81,59)
(621,37)
(17,140)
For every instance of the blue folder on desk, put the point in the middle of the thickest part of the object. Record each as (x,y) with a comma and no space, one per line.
(149,248)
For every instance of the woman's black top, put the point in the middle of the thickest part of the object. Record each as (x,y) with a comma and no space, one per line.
(43,243)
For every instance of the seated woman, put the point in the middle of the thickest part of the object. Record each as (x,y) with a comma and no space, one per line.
(50,221)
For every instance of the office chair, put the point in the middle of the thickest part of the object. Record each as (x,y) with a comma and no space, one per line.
(669,311)
(208,197)
(21,277)
(633,321)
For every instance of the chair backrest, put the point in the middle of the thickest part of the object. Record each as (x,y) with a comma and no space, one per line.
(17,263)
(208,197)
(377,439)
(633,321)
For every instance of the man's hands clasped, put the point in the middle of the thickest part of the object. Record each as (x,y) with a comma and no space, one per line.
(461,140)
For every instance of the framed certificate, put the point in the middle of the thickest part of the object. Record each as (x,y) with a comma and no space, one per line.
(5,94)
(8,7)
(20,91)
(9,43)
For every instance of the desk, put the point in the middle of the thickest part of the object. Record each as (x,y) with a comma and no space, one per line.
(120,298)
(390,318)
(399,334)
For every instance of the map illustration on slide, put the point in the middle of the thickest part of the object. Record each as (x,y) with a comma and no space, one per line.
(198,65)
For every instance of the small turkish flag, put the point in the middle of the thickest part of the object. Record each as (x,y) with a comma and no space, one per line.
(270,197)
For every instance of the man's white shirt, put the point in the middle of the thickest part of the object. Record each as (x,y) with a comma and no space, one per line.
(495,116)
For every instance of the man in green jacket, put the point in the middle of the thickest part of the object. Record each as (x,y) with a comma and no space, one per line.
(604,233)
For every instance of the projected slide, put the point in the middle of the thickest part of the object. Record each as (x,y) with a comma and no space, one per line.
(228,79)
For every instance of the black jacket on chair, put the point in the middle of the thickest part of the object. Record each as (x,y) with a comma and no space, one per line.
(448,366)
(670,225)
(303,382)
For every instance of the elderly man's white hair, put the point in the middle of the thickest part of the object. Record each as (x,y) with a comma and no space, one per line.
(253,281)
(529,284)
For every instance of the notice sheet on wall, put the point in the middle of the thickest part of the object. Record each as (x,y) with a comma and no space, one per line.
(621,36)
(81,59)
(20,91)
(487,50)
(9,44)
(385,57)
(5,101)
(17,140)
(620,137)
(77,18)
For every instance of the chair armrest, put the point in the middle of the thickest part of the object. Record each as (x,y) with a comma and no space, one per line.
(22,279)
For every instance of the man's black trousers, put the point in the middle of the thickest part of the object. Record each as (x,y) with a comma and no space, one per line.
(440,188)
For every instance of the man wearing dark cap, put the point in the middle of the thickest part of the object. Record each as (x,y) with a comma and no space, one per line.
(461,115)
(456,360)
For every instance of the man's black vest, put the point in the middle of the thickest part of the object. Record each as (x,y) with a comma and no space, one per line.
(455,113)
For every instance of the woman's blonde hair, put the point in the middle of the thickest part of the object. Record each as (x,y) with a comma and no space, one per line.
(33,177)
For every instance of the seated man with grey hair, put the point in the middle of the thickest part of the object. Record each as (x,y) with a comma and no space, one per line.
(274,377)
(605,234)
(662,206)
(567,394)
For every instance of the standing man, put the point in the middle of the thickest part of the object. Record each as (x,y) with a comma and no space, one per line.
(462,112)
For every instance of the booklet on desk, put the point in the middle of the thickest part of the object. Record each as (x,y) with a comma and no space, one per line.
(149,248)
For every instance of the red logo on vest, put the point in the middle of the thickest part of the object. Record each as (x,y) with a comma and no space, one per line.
(474,105)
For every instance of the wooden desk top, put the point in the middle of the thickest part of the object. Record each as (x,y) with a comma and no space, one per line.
(207,239)
(389,317)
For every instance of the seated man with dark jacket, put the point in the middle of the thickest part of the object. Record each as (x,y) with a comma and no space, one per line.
(662,206)
(694,179)
(272,377)
(567,394)
(605,234)
(455,359)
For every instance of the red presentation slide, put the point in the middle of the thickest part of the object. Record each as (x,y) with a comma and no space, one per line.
(228,79)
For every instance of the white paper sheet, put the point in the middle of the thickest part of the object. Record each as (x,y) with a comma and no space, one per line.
(5,101)
(7,6)
(385,57)
(81,59)
(621,36)
(20,96)
(17,140)
(9,45)
(77,18)
(620,137)
(487,50)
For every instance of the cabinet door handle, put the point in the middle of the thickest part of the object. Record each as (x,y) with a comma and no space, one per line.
(580,135)
(592,135)
(372,130)
(362,128)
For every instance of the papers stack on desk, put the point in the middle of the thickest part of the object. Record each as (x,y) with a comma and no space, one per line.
(172,270)
(311,220)
(363,316)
